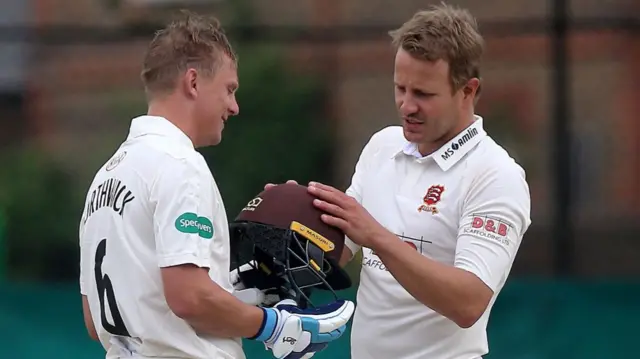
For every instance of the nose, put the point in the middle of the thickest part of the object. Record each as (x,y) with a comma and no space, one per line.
(407,106)
(234,109)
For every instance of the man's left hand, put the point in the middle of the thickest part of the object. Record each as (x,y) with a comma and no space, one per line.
(346,213)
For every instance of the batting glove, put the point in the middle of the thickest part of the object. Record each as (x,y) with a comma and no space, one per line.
(251,296)
(294,333)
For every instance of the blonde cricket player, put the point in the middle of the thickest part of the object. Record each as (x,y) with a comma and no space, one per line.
(154,237)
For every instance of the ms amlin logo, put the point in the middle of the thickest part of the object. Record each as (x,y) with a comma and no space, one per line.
(189,222)
(471,133)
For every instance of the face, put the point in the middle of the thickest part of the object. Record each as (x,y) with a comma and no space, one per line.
(431,114)
(215,102)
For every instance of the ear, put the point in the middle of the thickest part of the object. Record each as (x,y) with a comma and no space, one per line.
(469,90)
(190,83)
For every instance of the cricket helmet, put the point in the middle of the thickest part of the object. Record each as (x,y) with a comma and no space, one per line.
(291,250)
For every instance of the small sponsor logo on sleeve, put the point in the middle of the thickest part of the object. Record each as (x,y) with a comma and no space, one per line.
(115,161)
(488,227)
(190,222)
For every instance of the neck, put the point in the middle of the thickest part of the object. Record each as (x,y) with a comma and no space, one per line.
(175,113)
(465,121)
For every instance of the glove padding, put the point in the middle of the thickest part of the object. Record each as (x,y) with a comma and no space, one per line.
(308,352)
(294,333)
(252,296)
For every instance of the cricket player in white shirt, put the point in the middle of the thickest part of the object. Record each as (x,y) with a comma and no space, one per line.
(438,208)
(154,236)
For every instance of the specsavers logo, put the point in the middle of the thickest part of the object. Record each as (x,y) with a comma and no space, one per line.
(189,222)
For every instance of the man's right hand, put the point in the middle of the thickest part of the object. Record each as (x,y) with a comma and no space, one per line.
(269,185)
(291,332)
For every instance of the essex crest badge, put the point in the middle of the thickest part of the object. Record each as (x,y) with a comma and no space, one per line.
(433,196)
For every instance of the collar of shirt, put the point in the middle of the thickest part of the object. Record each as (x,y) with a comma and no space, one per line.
(451,152)
(156,125)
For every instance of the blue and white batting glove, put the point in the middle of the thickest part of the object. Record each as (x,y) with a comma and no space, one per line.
(294,333)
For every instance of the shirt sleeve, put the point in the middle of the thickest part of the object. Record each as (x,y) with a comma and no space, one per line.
(182,217)
(496,214)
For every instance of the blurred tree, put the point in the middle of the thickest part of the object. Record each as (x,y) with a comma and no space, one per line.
(503,126)
(280,133)
(42,211)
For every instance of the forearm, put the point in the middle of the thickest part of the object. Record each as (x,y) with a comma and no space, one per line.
(220,314)
(88,322)
(208,308)
(450,291)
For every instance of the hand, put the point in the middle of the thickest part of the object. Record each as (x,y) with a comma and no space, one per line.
(294,333)
(269,185)
(251,296)
(346,213)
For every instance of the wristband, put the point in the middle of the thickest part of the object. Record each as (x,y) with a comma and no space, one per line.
(269,321)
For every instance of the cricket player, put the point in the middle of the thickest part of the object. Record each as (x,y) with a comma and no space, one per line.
(154,235)
(437,206)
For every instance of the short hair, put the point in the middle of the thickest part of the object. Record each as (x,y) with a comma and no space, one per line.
(191,40)
(444,32)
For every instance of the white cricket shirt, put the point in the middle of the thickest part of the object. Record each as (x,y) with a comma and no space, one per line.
(154,204)
(465,205)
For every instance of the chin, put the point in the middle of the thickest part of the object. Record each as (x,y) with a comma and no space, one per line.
(414,137)
(211,141)
(216,141)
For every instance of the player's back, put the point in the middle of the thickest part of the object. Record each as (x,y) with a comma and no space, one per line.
(121,256)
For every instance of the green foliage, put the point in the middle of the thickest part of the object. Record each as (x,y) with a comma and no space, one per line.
(41,211)
(279,134)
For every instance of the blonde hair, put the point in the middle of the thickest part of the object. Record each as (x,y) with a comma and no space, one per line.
(191,41)
(444,33)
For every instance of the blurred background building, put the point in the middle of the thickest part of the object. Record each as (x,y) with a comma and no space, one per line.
(561,83)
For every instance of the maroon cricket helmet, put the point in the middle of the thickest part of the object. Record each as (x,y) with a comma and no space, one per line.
(292,249)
